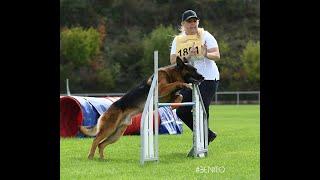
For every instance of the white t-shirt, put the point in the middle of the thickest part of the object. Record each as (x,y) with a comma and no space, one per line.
(206,67)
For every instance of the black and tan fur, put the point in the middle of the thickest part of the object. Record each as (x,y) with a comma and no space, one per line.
(112,123)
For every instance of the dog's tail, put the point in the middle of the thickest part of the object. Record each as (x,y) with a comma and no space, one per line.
(92,131)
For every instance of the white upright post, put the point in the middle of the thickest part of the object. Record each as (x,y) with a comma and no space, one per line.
(200,125)
(156,119)
(150,130)
(68,90)
(149,137)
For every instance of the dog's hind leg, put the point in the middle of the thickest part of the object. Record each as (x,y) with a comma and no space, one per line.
(113,138)
(104,134)
(106,127)
(119,131)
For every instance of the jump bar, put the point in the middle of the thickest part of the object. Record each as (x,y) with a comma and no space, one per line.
(177,104)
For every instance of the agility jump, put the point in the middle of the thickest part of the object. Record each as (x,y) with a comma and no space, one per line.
(149,137)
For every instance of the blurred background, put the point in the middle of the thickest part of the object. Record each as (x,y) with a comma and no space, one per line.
(106,46)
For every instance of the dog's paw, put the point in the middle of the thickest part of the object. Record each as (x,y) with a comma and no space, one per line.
(90,156)
(101,156)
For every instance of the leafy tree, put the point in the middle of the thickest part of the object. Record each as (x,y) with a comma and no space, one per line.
(74,13)
(251,62)
(125,55)
(160,39)
(79,45)
(82,62)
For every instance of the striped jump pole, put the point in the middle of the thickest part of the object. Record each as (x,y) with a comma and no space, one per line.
(149,136)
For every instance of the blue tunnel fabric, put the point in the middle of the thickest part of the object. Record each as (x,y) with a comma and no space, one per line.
(93,107)
(170,123)
(100,104)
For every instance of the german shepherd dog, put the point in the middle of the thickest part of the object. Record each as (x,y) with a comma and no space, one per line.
(112,123)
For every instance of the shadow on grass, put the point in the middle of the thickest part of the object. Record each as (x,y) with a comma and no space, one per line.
(175,157)
(110,160)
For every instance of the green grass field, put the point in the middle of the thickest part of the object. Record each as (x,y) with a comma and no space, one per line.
(234,154)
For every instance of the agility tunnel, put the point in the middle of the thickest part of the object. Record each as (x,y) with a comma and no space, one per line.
(76,111)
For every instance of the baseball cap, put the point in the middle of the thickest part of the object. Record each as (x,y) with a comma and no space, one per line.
(189,14)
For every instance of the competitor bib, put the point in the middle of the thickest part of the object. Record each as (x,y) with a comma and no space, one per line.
(184,44)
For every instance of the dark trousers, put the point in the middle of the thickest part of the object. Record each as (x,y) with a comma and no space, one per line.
(207,89)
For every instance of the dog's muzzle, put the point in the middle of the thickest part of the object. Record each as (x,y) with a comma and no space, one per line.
(196,81)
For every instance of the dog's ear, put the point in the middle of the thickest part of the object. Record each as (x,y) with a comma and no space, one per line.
(178,57)
(180,63)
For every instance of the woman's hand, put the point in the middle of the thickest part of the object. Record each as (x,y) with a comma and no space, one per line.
(192,52)
(204,49)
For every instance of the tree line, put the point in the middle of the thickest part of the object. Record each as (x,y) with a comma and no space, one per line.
(107,45)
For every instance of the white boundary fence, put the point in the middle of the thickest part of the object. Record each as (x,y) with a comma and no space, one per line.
(238,99)
(237,96)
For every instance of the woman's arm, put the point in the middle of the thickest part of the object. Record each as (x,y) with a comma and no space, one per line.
(213,54)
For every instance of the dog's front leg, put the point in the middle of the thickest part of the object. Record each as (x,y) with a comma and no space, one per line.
(167,89)
(177,99)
